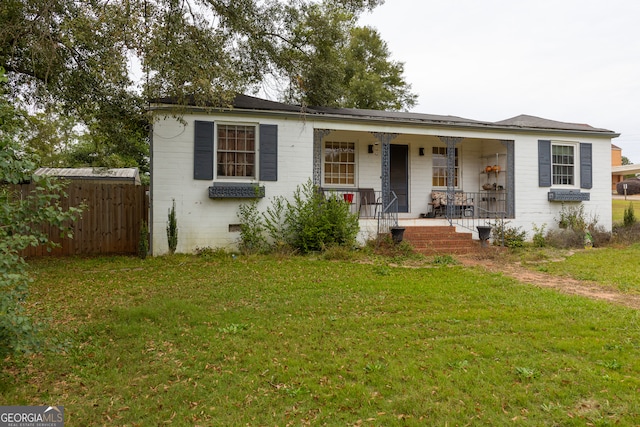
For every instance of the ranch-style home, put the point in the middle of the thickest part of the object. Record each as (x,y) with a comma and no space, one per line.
(394,169)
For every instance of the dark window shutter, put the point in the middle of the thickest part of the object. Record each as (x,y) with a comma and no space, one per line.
(268,152)
(203,151)
(586,169)
(544,163)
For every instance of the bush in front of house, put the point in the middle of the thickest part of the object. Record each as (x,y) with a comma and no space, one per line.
(252,229)
(539,240)
(509,236)
(633,186)
(575,228)
(172,228)
(315,222)
(310,222)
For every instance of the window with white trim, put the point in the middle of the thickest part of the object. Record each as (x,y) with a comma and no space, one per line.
(563,164)
(439,167)
(236,151)
(339,163)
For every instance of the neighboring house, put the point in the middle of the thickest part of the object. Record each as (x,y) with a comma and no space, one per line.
(94,175)
(464,172)
(616,161)
(618,170)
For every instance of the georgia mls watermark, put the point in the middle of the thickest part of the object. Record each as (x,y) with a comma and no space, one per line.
(31,416)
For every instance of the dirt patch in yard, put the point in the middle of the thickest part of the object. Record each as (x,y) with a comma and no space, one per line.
(567,285)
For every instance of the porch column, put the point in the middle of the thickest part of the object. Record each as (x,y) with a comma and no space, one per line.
(510,182)
(451,142)
(318,134)
(385,171)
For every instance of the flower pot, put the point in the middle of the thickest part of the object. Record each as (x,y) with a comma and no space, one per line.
(348,197)
(484,232)
(397,234)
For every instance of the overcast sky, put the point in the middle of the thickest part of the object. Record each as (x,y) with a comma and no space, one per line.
(566,60)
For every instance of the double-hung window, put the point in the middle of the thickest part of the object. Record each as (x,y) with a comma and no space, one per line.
(563,164)
(233,149)
(439,167)
(339,163)
(236,154)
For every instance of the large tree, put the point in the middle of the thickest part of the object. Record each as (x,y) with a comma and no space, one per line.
(330,61)
(98,62)
(22,217)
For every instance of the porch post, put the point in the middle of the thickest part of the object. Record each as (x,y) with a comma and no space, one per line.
(510,182)
(385,171)
(451,142)
(318,134)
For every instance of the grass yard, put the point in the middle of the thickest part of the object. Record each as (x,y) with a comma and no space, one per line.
(618,207)
(187,340)
(611,267)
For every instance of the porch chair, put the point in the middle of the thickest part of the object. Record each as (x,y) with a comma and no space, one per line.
(368,199)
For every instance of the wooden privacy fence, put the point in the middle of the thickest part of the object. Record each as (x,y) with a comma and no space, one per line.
(110,222)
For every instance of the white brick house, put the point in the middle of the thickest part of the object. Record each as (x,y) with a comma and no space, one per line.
(211,161)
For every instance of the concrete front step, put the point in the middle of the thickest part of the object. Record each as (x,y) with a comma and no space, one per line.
(440,240)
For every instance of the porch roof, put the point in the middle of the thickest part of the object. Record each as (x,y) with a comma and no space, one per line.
(521,122)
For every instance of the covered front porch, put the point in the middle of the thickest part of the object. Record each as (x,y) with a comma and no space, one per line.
(408,179)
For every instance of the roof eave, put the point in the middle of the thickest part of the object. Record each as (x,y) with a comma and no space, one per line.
(475,125)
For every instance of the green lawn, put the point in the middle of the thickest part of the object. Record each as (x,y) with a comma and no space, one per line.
(611,267)
(619,206)
(188,340)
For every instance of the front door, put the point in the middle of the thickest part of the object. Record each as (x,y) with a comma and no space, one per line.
(399,175)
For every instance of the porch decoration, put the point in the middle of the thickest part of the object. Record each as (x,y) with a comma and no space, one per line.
(397,234)
(484,232)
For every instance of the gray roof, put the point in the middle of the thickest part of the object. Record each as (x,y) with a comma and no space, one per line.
(121,174)
(525,121)
(522,122)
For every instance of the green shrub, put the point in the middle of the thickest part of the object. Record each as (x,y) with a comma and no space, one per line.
(511,237)
(633,186)
(629,216)
(576,229)
(275,223)
(310,222)
(314,222)
(572,218)
(172,228)
(252,230)
(539,240)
